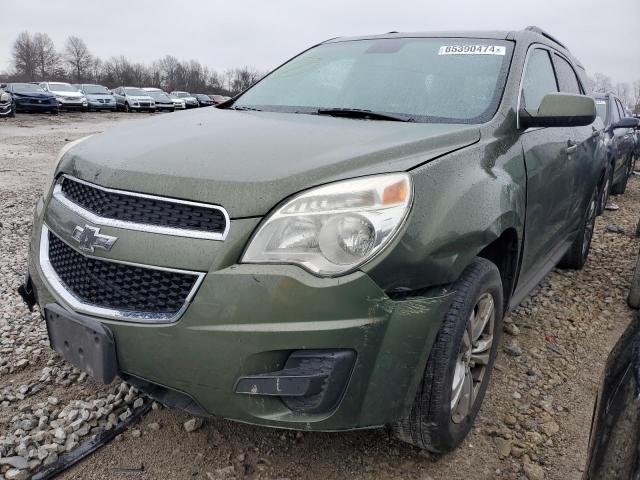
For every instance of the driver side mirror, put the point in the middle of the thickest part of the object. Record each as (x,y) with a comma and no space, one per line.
(560,110)
(625,122)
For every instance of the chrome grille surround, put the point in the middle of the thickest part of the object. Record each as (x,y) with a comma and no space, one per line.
(59,195)
(60,290)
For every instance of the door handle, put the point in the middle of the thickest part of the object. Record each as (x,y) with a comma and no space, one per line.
(572,147)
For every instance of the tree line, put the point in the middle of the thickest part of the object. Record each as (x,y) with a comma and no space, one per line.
(36,58)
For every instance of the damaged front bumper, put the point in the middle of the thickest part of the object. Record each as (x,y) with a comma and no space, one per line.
(276,346)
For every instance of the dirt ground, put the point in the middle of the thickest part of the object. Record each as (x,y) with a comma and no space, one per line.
(534,423)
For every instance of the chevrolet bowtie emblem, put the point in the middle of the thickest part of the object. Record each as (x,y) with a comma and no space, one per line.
(89,239)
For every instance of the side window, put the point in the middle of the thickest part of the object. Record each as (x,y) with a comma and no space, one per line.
(621,109)
(615,113)
(566,75)
(538,81)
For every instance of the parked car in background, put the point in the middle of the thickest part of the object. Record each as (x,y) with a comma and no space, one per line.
(69,98)
(164,103)
(30,97)
(346,259)
(7,105)
(218,99)
(620,143)
(189,100)
(98,97)
(203,100)
(133,99)
(179,103)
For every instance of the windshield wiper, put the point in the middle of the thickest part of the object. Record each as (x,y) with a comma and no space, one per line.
(245,108)
(362,113)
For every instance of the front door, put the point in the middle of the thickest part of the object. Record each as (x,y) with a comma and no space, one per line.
(549,155)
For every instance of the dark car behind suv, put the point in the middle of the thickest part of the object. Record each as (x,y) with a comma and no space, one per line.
(32,98)
(620,143)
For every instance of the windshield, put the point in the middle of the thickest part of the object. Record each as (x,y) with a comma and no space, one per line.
(182,94)
(157,95)
(136,92)
(425,79)
(26,88)
(62,87)
(601,109)
(95,90)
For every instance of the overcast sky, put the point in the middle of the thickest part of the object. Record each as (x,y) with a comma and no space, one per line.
(264,33)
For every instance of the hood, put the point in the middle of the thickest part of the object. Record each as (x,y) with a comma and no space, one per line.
(67,94)
(250,161)
(139,98)
(99,96)
(42,95)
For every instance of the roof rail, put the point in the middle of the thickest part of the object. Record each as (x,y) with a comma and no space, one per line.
(545,34)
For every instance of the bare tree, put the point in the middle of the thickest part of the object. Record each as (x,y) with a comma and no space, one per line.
(623,91)
(602,83)
(635,92)
(78,57)
(24,56)
(48,60)
(242,78)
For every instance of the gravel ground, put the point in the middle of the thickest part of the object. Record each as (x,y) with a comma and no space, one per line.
(534,423)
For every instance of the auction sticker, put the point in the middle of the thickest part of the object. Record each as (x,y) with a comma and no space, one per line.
(472,50)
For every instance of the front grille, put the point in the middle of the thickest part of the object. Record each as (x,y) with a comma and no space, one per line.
(118,286)
(144,210)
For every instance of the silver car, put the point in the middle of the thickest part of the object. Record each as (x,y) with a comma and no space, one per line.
(98,97)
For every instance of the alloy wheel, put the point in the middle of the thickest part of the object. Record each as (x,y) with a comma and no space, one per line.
(589,226)
(473,357)
(604,198)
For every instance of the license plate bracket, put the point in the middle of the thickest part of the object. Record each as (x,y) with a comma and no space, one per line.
(82,341)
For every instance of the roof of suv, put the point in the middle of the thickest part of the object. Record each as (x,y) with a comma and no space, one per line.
(530,34)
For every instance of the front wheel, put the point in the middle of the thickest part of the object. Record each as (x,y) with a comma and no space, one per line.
(126,107)
(577,254)
(460,363)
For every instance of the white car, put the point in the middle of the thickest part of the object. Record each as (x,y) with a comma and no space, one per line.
(68,96)
(178,104)
(189,100)
(133,99)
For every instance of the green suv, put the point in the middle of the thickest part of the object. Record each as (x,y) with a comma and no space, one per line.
(336,247)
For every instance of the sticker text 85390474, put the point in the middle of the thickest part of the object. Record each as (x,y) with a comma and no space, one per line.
(472,50)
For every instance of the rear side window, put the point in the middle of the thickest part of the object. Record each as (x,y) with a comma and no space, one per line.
(615,113)
(539,80)
(566,76)
(621,109)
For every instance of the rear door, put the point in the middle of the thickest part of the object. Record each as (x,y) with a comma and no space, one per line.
(550,178)
(584,159)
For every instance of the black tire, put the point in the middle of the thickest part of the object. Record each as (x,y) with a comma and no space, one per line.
(55,112)
(12,113)
(634,290)
(126,107)
(605,191)
(577,254)
(620,187)
(172,110)
(431,425)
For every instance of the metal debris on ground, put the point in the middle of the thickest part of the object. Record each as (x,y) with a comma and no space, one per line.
(612,206)
(614,229)
(69,459)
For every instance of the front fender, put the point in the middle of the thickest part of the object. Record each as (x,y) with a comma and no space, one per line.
(463,202)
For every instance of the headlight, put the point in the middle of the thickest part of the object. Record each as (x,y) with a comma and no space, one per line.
(4,97)
(56,162)
(333,229)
